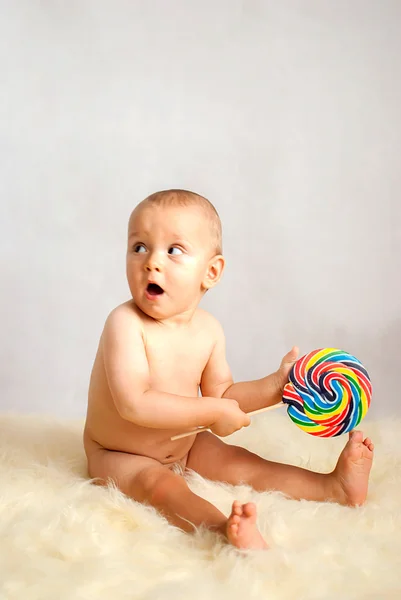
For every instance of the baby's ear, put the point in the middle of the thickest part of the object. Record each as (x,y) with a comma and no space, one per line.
(214,271)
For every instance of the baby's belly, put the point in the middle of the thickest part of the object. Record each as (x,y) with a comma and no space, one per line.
(114,433)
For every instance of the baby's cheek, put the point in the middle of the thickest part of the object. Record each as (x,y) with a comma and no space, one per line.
(187,261)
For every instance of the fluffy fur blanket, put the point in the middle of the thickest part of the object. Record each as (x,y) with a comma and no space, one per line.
(63,537)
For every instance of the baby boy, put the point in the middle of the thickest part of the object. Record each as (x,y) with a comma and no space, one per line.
(156,352)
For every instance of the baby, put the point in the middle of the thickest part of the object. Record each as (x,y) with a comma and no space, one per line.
(156,352)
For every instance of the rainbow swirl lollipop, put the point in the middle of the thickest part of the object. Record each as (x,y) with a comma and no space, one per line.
(328,393)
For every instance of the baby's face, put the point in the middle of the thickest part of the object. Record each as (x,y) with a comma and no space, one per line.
(167,258)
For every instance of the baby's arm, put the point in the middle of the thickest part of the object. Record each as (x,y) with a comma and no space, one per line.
(250,395)
(128,378)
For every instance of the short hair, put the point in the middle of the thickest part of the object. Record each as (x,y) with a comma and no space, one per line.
(187,198)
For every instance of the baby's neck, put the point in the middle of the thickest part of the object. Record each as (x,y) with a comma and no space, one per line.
(180,320)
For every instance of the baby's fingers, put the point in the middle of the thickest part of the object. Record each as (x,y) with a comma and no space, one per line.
(247,420)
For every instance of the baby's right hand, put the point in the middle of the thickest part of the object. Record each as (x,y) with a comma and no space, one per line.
(231,418)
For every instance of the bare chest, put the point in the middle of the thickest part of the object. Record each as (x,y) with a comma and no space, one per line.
(177,361)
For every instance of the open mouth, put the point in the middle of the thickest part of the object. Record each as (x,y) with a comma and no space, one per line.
(154,290)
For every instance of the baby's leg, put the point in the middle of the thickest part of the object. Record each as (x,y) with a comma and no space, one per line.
(148,481)
(347,484)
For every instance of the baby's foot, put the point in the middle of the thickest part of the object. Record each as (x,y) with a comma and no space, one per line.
(241,527)
(352,471)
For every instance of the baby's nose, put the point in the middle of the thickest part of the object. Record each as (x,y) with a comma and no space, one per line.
(153,267)
(153,264)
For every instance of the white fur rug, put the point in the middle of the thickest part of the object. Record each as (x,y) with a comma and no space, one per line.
(64,538)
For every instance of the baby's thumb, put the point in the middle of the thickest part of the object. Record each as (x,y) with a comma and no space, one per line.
(291,357)
(247,420)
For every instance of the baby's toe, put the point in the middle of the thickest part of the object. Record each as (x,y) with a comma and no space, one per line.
(369,444)
(237,508)
(356,436)
(233,529)
(235,519)
(249,509)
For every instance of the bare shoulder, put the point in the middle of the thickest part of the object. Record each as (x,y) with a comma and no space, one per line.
(123,313)
(209,323)
(122,321)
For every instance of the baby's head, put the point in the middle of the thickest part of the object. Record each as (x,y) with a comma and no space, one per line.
(174,252)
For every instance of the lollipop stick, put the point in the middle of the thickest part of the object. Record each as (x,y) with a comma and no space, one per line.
(200,429)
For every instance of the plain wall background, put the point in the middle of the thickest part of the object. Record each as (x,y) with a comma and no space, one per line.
(285,114)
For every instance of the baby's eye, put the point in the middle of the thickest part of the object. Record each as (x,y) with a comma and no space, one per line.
(175,250)
(139,248)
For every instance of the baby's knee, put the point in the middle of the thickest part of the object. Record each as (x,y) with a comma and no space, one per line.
(157,484)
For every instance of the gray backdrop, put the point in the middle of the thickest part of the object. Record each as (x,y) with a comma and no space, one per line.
(285,114)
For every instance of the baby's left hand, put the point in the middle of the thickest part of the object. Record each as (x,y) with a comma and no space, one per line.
(285,367)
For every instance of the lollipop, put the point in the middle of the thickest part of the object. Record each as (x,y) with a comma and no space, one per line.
(328,393)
